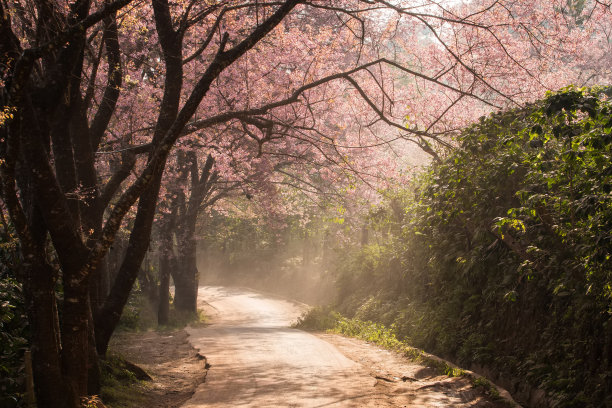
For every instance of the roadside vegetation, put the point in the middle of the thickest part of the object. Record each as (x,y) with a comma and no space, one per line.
(13,343)
(14,328)
(498,257)
(325,319)
(123,383)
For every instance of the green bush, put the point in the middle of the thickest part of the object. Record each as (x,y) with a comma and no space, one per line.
(502,255)
(318,318)
(13,343)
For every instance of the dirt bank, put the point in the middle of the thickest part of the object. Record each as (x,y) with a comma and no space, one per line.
(169,359)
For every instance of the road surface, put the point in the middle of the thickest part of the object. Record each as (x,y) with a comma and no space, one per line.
(257,360)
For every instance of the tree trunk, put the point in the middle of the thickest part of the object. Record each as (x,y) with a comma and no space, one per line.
(163,308)
(94,379)
(38,278)
(186,276)
(75,339)
(39,294)
(167,261)
(99,286)
(108,316)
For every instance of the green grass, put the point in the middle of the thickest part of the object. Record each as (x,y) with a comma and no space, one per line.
(120,386)
(386,338)
(325,319)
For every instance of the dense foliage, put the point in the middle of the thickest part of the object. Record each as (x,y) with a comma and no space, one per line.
(13,328)
(503,260)
(13,324)
(293,258)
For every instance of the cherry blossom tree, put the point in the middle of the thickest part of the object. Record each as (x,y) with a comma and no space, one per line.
(95,101)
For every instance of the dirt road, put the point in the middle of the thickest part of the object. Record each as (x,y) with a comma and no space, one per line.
(257,360)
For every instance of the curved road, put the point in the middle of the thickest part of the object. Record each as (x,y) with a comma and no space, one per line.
(257,360)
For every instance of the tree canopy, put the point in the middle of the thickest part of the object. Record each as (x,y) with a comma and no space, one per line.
(106,105)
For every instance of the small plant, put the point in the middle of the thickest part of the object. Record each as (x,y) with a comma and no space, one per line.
(488,388)
(319,318)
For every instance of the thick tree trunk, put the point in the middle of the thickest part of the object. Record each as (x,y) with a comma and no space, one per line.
(38,278)
(39,285)
(99,287)
(93,361)
(186,287)
(75,340)
(186,275)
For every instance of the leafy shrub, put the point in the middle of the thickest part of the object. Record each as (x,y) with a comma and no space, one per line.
(503,255)
(318,318)
(325,319)
(368,331)
(13,343)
